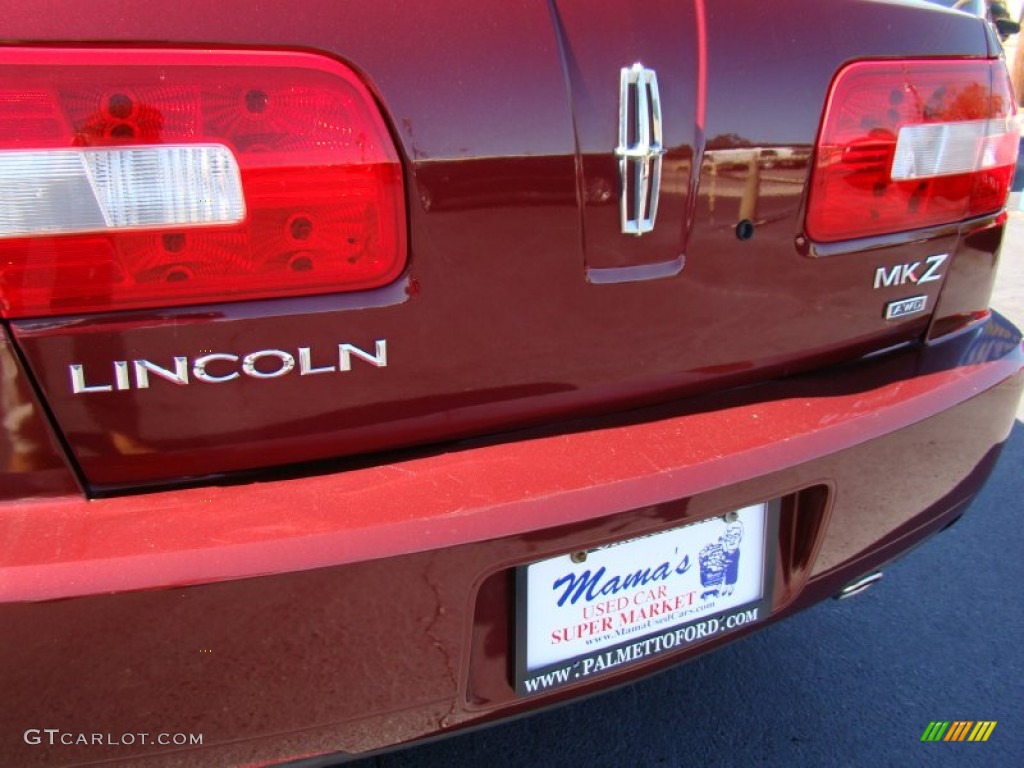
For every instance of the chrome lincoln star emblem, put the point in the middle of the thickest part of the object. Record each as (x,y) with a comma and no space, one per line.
(639,149)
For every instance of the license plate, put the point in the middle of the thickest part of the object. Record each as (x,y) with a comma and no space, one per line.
(588,613)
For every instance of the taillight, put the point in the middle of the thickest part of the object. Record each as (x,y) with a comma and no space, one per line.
(911,144)
(144,178)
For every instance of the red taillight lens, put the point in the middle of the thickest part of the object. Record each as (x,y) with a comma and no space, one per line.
(911,144)
(147,178)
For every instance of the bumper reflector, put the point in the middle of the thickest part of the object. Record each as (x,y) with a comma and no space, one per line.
(124,188)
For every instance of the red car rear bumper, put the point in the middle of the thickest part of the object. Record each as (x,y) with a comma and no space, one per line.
(352,611)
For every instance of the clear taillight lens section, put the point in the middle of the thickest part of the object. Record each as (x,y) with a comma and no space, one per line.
(71,192)
(154,178)
(911,144)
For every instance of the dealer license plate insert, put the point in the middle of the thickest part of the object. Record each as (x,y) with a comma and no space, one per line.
(584,614)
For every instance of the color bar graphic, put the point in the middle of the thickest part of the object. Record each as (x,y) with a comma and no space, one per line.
(935,730)
(982,730)
(958,730)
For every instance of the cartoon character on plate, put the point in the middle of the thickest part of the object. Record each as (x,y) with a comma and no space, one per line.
(720,562)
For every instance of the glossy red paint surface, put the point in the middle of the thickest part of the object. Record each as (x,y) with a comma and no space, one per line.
(32,463)
(353,604)
(496,323)
(467,496)
(435,655)
(590,43)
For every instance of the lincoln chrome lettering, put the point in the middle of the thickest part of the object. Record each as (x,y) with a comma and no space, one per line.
(222,367)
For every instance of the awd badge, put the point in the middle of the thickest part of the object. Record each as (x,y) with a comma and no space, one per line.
(894,310)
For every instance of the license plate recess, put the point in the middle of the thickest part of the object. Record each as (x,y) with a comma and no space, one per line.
(587,613)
